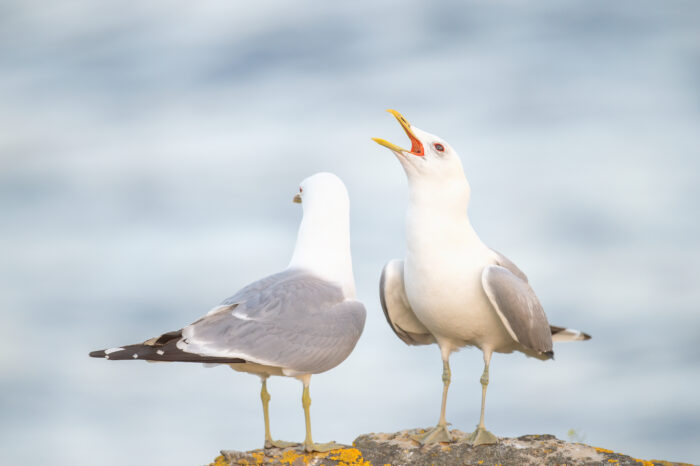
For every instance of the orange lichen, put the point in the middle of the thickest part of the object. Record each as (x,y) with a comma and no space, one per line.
(219,461)
(348,457)
(290,456)
(259,456)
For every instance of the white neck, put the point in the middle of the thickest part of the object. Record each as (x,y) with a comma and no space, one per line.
(437,212)
(323,248)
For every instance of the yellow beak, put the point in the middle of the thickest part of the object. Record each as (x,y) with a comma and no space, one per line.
(416,145)
(297,199)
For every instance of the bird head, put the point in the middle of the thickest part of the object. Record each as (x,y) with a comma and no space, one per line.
(323,192)
(430,156)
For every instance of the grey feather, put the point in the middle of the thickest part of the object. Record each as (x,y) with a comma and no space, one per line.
(503,261)
(292,319)
(558,333)
(519,309)
(397,310)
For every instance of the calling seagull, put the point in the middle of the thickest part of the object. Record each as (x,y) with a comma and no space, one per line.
(452,289)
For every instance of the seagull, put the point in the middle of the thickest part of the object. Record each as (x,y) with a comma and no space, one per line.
(452,289)
(301,321)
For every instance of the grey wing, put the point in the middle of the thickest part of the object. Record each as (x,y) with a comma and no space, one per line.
(397,310)
(519,309)
(503,261)
(558,333)
(291,320)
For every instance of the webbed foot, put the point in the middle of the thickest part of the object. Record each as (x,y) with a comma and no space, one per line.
(279,444)
(481,436)
(322,447)
(439,433)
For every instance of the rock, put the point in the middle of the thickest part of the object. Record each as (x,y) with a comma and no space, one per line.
(399,449)
(291,456)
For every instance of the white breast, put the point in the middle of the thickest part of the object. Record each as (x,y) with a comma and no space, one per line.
(442,275)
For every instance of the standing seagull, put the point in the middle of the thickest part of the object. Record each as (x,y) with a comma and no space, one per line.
(452,289)
(302,321)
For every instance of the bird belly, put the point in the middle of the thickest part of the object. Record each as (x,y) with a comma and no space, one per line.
(257,369)
(454,307)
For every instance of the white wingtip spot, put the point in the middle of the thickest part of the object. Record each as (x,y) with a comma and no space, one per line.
(135,356)
(160,352)
(112,350)
(106,357)
(241,316)
(568,334)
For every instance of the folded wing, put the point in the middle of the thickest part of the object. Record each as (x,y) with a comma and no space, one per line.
(292,320)
(559,334)
(519,309)
(397,310)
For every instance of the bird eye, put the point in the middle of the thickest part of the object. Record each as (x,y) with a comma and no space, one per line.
(439,147)
(300,189)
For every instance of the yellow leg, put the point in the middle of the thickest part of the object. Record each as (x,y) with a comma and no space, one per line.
(309,444)
(265,397)
(446,379)
(306,403)
(482,436)
(440,433)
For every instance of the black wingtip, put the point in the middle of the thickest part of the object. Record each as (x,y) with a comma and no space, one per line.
(549,354)
(586,336)
(97,354)
(168,352)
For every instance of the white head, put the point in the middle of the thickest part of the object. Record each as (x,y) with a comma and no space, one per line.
(323,241)
(324,194)
(431,165)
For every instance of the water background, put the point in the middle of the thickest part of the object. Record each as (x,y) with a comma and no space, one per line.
(149,152)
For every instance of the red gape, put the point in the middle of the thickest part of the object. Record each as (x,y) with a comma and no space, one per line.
(416,145)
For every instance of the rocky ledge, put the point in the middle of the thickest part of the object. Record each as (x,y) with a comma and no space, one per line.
(399,449)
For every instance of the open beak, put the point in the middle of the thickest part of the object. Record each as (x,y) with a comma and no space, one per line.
(416,145)
(297,199)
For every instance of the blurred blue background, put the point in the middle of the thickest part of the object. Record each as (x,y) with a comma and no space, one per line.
(149,152)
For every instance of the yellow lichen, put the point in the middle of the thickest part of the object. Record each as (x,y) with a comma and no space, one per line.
(259,456)
(290,456)
(613,461)
(603,450)
(348,457)
(219,461)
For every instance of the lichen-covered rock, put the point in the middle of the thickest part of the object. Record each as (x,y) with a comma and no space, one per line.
(346,456)
(400,449)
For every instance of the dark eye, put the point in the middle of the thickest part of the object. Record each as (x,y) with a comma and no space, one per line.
(439,147)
